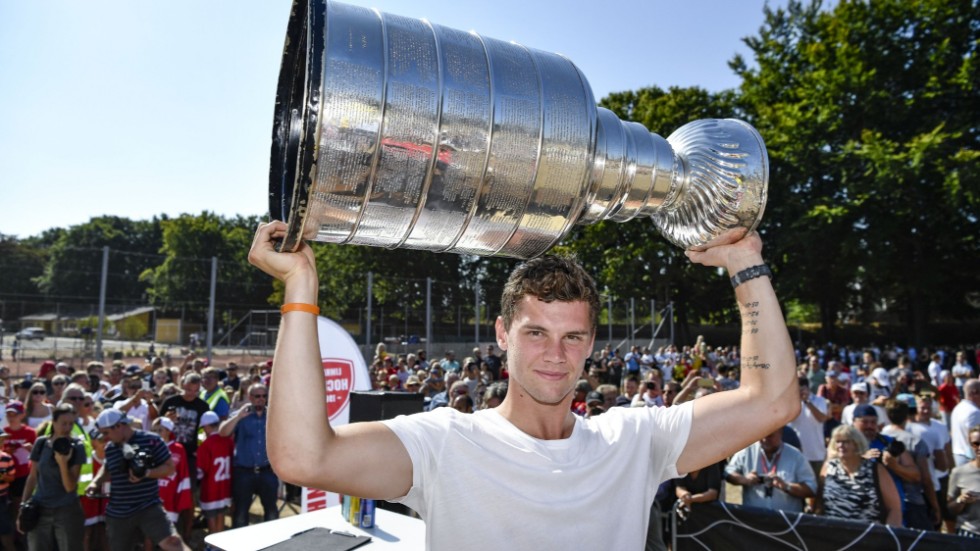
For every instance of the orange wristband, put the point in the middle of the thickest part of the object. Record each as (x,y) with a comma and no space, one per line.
(300,307)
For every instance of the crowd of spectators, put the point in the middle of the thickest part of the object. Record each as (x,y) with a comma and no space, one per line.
(201,430)
(884,434)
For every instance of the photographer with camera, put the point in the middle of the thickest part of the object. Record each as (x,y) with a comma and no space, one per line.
(773,475)
(134,461)
(56,464)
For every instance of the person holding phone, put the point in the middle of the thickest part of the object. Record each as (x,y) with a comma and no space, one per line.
(56,465)
(964,491)
(252,474)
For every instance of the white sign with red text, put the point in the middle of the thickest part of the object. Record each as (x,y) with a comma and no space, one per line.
(344,370)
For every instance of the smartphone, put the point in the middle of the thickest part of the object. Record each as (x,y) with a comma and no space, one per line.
(706,383)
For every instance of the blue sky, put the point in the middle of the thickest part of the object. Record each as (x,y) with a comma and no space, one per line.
(137,108)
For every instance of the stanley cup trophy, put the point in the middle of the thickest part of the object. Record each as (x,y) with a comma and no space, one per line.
(396,132)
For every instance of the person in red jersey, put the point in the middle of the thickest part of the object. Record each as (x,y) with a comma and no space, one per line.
(18,444)
(214,472)
(175,490)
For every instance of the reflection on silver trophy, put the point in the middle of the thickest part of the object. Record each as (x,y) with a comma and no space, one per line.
(396,132)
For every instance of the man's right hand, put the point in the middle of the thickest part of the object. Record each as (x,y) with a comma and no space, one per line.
(281,266)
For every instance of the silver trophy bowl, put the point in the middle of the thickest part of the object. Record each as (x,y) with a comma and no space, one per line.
(396,132)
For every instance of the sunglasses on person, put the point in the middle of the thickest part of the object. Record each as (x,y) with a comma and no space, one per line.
(39,392)
(975,444)
(259,395)
(58,383)
(75,398)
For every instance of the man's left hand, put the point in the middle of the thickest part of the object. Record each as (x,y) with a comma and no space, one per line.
(735,256)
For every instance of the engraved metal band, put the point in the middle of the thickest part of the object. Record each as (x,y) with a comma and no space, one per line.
(751,273)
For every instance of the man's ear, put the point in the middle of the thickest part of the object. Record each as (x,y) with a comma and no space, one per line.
(501,333)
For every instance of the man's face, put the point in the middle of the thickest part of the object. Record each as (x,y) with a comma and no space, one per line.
(259,397)
(631,386)
(804,392)
(192,388)
(209,382)
(546,345)
(772,441)
(923,405)
(814,363)
(116,433)
(972,393)
(868,425)
(860,396)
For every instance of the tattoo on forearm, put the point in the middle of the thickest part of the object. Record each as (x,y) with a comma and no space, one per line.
(752,362)
(750,317)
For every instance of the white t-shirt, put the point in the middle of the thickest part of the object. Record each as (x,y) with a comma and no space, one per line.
(965,416)
(480,483)
(936,436)
(811,430)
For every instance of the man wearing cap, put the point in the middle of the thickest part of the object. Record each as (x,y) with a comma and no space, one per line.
(881,447)
(134,503)
(20,440)
(252,474)
(860,395)
(593,403)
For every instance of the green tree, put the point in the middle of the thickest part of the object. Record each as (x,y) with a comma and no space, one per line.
(74,260)
(183,278)
(869,112)
(20,264)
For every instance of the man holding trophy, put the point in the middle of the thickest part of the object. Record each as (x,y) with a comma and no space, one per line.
(428,138)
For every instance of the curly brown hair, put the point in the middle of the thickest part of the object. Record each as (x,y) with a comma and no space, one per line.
(549,278)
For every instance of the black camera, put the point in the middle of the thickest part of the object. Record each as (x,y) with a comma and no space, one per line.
(138,460)
(896,448)
(63,445)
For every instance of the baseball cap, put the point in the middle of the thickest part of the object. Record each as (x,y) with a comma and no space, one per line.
(47,367)
(593,396)
(209,418)
(110,418)
(865,410)
(860,387)
(15,407)
(133,369)
(909,399)
(844,377)
(166,423)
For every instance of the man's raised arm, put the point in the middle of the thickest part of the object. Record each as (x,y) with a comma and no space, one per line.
(768,396)
(361,459)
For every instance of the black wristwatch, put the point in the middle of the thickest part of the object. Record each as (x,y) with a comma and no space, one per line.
(751,273)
